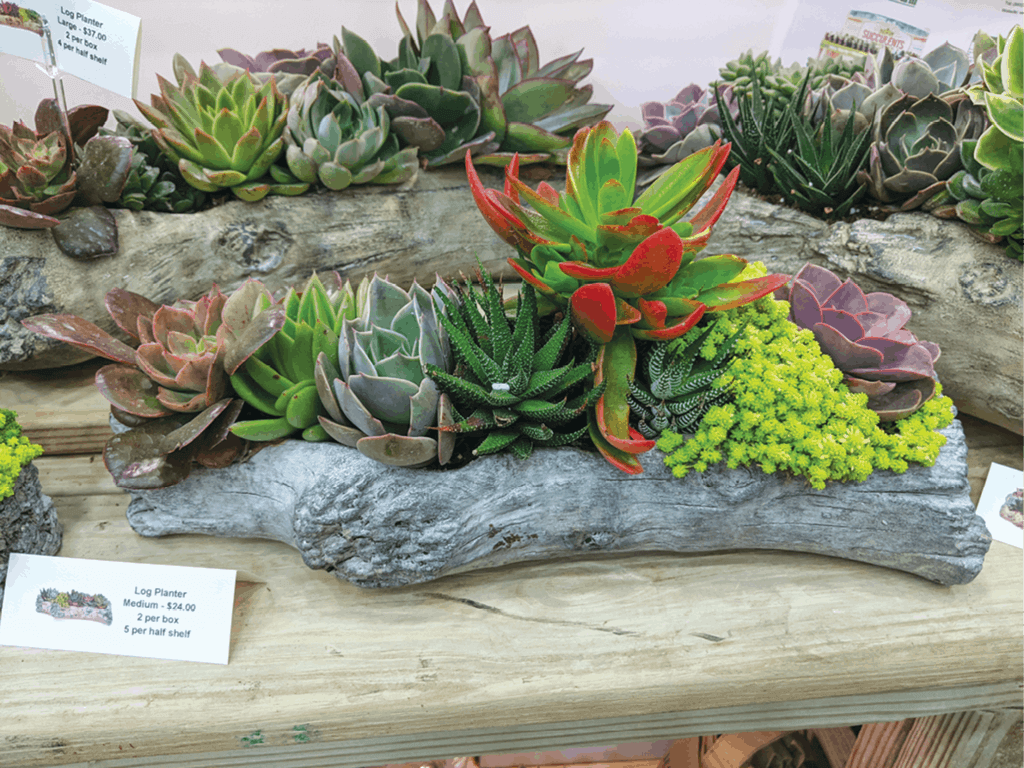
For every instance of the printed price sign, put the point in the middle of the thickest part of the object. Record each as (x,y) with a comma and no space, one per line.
(128,609)
(91,40)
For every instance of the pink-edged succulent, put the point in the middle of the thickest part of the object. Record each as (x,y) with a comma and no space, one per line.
(678,128)
(864,334)
(172,387)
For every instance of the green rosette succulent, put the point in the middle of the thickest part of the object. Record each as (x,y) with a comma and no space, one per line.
(378,396)
(677,387)
(223,134)
(432,103)
(991,201)
(1001,146)
(916,147)
(153,183)
(279,378)
(333,138)
(532,109)
(511,384)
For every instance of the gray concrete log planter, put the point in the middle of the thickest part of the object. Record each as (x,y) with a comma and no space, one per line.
(381,526)
(965,295)
(28,522)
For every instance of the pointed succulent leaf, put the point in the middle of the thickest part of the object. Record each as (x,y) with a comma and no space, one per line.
(82,334)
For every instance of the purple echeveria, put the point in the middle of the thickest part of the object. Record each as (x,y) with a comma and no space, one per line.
(866,339)
(687,123)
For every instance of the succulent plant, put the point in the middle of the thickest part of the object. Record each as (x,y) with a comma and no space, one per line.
(532,109)
(678,387)
(40,176)
(991,201)
(510,384)
(777,84)
(866,339)
(153,183)
(172,389)
(433,105)
(916,147)
(289,68)
(761,125)
(223,134)
(820,174)
(1001,146)
(333,138)
(278,379)
(624,269)
(840,99)
(682,126)
(63,599)
(378,396)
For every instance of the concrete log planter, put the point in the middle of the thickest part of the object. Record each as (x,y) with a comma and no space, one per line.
(966,295)
(28,522)
(381,526)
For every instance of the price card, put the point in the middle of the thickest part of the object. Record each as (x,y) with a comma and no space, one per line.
(92,41)
(128,609)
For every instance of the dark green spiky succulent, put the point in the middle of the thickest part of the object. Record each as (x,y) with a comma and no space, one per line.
(819,175)
(760,126)
(154,183)
(513,384)
(679,386)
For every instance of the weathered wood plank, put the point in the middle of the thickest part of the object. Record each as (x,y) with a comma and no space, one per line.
(565,653)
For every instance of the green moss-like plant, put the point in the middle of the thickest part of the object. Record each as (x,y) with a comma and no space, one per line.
(15,452)
(792,413)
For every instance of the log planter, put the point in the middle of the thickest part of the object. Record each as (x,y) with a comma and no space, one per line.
(381,526)
(966,295)
(28,522)
(82,612)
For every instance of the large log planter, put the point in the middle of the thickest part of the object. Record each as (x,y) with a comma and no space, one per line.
(966,295)
(380,526)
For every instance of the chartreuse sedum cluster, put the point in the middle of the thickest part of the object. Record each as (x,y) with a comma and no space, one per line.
(790,410)
(15,452)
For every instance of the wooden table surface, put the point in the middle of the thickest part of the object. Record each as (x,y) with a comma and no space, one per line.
(538,656)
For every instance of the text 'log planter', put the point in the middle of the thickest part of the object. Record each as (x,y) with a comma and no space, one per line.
(381,526)
(965,295)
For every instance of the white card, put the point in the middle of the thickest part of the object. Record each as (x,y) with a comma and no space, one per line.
(92,41)
(128,609)
(1000,504)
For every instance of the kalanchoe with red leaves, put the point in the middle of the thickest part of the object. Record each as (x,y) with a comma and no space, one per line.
(171,388)
(623,268)
(866,339)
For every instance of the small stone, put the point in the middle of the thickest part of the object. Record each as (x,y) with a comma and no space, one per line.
(28,522)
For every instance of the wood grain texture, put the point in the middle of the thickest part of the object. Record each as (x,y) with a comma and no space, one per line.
(564,653)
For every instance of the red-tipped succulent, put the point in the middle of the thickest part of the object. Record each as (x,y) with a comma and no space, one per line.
(864,335)
(624,268)
(172,388)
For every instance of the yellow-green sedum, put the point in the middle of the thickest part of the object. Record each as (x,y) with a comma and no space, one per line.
(15,452)
(790,411)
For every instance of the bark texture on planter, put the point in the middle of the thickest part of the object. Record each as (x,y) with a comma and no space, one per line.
(966,295)
(379,526)
(28,522)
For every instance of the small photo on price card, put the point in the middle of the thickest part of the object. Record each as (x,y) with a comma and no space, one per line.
(127,609)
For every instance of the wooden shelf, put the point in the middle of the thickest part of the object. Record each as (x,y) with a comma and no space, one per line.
(541,656)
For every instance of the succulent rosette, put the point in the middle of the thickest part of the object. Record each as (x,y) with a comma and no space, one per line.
(376,390)
(677,128)
(333,138)
(624,269)
(289,68)
(864,334)
(38,176)
(172,387)
(223,134)
(917,147)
